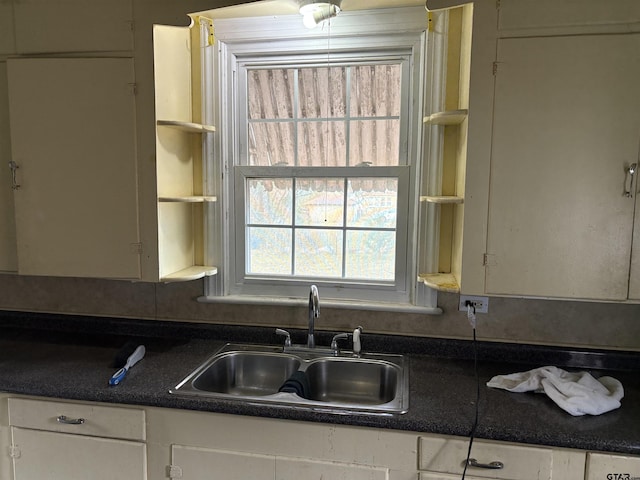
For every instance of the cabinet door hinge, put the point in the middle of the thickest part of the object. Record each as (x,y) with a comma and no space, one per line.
(498,4)
(133,88)
(136,248)
(174,471)
(489,259)
(132,25)
(14,452)
(495,68)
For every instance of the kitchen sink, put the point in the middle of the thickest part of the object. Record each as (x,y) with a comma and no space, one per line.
(246,373)
(352,381)
(326,380)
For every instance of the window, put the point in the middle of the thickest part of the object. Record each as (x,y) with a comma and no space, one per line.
(321,142)
(337,217)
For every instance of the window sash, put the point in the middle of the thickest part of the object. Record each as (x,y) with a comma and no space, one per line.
(242,173)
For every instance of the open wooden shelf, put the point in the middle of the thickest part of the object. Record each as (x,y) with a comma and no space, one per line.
(189,199)
(187,126)
(443,282)
(449,117)
(190,273)
(442,199)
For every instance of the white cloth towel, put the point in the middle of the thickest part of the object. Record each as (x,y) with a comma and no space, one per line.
(577,393)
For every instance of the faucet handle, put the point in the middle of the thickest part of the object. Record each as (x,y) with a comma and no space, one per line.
(284,333)
(334,341)
(357,344)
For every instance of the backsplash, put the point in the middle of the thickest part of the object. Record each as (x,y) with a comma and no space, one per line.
(514,320)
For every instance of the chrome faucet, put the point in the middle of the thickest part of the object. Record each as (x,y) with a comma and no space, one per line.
(314,312)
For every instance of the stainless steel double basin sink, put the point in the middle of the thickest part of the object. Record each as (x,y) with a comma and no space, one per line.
(317,379)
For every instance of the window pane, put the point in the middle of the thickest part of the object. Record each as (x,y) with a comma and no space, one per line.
(372,202)
(322,92)
(320,202)
(375,91)
(270,201)
(374,141)
(370,255)
(271,143)
(318,253)
(269,250)
(322,143)
(270,93)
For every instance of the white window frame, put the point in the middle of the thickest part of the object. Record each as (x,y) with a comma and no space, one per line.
(250,38)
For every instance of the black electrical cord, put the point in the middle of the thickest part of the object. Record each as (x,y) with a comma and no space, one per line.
(475,421)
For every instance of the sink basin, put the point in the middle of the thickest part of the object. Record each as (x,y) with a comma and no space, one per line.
(337,383)
(352,381)
(246,373)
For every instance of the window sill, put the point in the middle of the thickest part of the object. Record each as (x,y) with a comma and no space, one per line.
(324,302)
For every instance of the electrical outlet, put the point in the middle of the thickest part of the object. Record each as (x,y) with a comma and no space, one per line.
(481,303)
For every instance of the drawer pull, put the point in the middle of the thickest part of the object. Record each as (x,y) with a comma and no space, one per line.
(472,462)
(70,421)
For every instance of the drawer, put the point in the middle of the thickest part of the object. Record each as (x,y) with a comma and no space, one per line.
(603,466)
(521,462)
(94,420)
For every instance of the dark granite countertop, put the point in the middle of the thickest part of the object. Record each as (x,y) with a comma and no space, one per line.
(69,357)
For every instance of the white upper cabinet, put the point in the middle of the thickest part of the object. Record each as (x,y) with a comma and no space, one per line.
(42,26)
(566,130)
(73,141)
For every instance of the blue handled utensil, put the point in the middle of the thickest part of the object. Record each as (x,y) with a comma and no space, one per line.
(134,358)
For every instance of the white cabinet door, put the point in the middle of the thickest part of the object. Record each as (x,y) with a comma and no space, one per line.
(566,126)
(73,138)
(208,464)
(8,254)
(42,26)
(295,469)
(605,466)
(60,456)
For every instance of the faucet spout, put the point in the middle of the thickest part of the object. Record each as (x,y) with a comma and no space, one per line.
(314,312)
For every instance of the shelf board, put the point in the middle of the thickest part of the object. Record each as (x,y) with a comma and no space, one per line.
(189,199)
(187,126)
(190,273)
(449,117)
(442,199)
(443,282)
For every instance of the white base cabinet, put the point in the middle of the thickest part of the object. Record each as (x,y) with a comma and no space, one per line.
(202,463)
(73,441)
(215,446)
(447,455)
(60,456)
(136,443)
(605,466)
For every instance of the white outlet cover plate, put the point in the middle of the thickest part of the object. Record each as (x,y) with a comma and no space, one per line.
(481,303)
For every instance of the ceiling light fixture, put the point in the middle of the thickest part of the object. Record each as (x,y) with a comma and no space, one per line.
(314,12)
